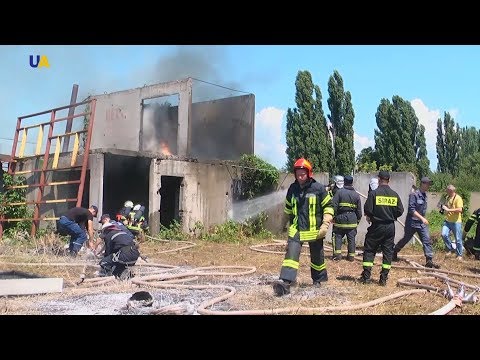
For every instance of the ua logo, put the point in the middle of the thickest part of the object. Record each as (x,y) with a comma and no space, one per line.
(39,61)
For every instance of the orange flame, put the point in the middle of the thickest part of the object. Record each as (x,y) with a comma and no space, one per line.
(165,150)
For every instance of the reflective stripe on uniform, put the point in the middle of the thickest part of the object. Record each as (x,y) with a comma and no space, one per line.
(367,264)
(328,210)
(318,267)
(290,263)
(348,205)
(312,219)
(305,235)
(386,266)
(348,226)
(326,200)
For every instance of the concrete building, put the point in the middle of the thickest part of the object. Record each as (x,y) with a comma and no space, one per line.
(154,145)
(168,157)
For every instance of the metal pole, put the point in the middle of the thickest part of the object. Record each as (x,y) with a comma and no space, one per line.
(71,112)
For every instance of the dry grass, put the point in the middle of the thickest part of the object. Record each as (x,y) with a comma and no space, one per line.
(253,291)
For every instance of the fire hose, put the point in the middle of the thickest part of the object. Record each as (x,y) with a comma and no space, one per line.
(165,280)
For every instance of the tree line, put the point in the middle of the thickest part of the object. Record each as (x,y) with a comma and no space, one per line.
(328,141)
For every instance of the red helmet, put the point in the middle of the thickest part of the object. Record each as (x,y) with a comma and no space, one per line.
(303,164)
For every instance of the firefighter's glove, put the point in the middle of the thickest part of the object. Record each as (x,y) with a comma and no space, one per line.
(323,230)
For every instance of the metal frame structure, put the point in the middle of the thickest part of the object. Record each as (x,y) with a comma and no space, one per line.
(40,186)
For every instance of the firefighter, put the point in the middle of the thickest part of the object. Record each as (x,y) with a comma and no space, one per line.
(382,207)
(348,212)
(120,252)
(125,211)
(105,218)
(309,207)
(137,223)
(473,219)
(417,223)
(337,183)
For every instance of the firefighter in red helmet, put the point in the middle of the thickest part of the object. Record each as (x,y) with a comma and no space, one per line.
(310,210)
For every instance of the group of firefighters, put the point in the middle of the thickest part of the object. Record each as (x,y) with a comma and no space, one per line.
(120,250)
(312,207)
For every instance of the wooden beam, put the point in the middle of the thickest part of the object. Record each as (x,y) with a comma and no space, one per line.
(30,286)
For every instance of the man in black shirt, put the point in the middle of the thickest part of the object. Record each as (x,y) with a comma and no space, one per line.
(76,223)
(382,207)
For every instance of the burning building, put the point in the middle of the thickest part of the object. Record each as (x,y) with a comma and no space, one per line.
(154,145)
(148,149)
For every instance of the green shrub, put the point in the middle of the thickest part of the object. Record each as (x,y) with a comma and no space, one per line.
(258,176)
(172,232)
(235,232)
(15,212)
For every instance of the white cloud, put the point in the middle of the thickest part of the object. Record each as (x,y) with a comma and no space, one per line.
(428,118)
(360,142)
(269,142)
(454,113)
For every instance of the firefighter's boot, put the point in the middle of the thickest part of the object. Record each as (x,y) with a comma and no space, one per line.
(365,277)
(383,277)
(477,255)
(281,287)
(430,264)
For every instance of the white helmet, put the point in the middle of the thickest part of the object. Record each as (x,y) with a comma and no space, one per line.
(107,225)
(128,203)
(339,181)
(136,207)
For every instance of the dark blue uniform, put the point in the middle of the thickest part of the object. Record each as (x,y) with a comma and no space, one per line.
(383,206)
(417,201)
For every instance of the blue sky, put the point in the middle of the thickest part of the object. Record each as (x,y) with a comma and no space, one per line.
(434,79)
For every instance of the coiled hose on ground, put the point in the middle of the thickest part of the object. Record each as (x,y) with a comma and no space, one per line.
(162,279)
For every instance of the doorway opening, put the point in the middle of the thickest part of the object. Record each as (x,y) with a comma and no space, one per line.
(125,178)
(170,195)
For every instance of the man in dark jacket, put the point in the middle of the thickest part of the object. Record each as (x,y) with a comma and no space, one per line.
(77,222)
(309,207)
(348,212)
(382,208)
(120,252)
(417,223)
(106,219)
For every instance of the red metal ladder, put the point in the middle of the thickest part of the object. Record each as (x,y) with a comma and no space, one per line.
(20,157)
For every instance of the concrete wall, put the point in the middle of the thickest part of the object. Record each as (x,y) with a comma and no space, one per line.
(401,182)
(221,129)
(205,194)
(118,120)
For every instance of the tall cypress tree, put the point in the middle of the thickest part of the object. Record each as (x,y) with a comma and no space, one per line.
(307,133)
(341,118)
(448,145)
(400,138)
